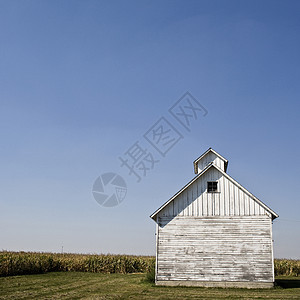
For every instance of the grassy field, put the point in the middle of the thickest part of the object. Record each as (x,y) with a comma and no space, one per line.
(80,285)
(81,276)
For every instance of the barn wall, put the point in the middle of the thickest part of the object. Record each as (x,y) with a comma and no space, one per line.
(229,201)
(208,158)
(214,249)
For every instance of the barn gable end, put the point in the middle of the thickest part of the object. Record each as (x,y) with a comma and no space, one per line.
(230,200)
(220,238)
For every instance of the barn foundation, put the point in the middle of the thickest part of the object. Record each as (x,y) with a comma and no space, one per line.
(219,284)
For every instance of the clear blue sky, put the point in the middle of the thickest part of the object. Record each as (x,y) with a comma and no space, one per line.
(81,81)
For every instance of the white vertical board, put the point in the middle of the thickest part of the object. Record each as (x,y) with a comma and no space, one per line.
(230,200)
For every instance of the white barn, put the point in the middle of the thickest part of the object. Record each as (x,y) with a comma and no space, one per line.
(213,232)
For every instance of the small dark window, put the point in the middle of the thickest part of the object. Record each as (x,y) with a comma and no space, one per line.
(212,186)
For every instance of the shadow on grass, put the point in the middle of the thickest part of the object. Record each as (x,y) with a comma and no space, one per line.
(288,283)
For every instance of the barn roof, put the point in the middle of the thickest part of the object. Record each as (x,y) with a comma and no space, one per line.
(204,154)
(212,165)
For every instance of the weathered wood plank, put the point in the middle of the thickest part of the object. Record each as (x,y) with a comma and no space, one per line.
(215,248)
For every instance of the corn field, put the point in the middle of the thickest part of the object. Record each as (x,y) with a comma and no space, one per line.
(287,267)
(21,263)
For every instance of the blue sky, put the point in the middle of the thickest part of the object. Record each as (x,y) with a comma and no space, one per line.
(81,81)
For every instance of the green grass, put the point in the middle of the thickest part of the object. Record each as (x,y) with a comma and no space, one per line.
(79,276)
(79,285)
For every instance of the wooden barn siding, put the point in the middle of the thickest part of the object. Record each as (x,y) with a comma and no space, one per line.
(210,157)
(229,201)
(215,248)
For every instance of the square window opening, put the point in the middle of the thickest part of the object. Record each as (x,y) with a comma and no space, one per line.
(212,186)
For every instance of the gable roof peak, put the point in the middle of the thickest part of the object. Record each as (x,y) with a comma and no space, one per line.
(206,158)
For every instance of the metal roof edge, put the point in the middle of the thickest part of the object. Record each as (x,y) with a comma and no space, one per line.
(249,193)
(181,190)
